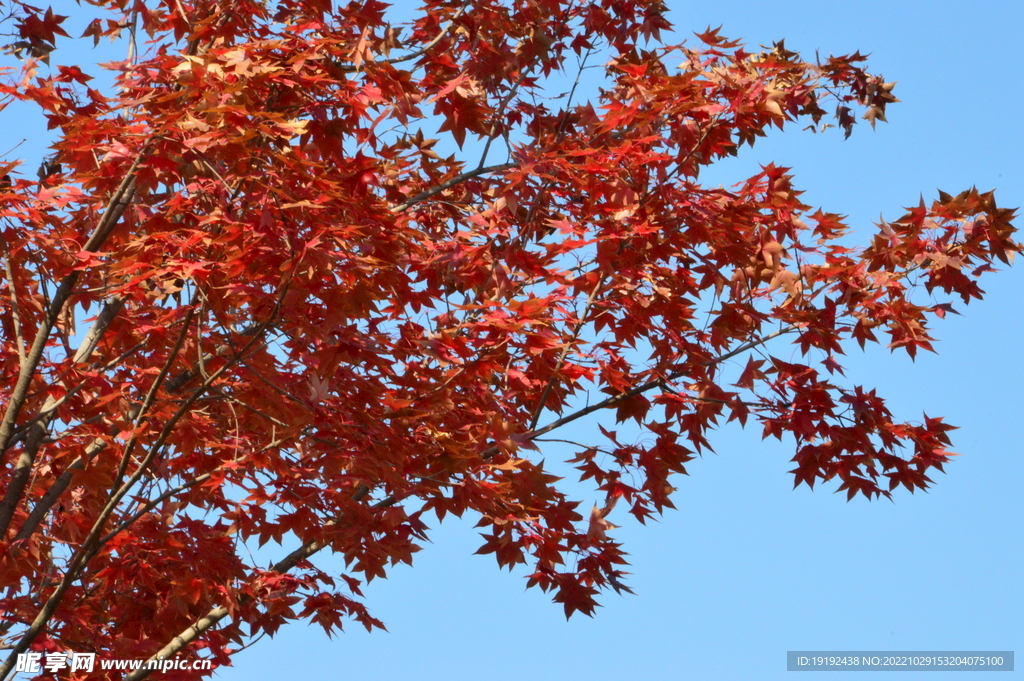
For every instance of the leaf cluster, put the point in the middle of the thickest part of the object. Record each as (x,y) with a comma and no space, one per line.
(254,303)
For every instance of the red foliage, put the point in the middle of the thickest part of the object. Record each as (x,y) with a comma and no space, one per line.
(310,325)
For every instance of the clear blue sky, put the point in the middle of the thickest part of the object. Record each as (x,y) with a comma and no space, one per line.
(748,568)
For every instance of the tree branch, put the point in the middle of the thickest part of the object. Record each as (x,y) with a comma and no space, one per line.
(85,350)
(447,184)
(91,545)
(147,402)
(580,325)
(349,68)
(615,399)
(16,318)
(19,478)
(115,209)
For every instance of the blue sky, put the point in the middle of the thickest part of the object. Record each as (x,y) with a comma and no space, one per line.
(747,568)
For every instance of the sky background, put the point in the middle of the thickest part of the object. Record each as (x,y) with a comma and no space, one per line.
(747,567)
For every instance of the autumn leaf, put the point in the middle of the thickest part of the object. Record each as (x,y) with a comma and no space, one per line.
(599,525)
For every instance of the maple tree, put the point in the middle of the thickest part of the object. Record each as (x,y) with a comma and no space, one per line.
(247,300)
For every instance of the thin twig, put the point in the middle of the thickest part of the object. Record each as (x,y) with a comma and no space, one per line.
(500,112)
(152,503)
(581,323)
(447,184)
(150,397)
(440,36)
(615,399)
(351,68)
(14,301)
